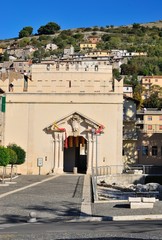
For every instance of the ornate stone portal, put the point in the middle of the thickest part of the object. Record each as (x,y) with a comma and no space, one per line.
(79,129)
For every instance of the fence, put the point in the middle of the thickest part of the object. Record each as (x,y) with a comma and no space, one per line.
(107,170)
(103,171)
(147,169)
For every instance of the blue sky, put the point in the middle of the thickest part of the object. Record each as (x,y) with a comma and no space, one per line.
(74,14)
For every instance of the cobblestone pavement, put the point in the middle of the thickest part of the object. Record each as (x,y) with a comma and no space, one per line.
(59,198)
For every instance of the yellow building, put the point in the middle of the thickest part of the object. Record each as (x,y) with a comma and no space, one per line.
(87,46)
(99,53)
(149,142)
(148,81)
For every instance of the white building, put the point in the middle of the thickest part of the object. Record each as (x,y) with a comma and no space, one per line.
(68,117)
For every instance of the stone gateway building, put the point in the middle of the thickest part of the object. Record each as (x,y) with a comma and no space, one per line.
(66,116)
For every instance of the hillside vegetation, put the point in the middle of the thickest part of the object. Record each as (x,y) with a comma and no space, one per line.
(145,37)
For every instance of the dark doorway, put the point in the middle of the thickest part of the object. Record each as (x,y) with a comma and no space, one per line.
(75,155)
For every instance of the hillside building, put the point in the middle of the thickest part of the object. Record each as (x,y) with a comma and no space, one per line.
(149,142)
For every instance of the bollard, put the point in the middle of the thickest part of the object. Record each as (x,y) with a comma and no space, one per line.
(32,217)
(75,170)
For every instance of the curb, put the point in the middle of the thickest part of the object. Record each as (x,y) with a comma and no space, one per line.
(137,217)
(117,218)
(86,198)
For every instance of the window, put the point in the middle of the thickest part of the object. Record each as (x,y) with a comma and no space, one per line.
(57,66)
(149,127)
(160,127)
(154,150)
(149,118)
(123,152)
(11,87)
(48,67)
(67,67)
(96,67)
(160,118)
(144,150)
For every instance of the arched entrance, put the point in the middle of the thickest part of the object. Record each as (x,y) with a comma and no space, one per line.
(75,154)
(74,143)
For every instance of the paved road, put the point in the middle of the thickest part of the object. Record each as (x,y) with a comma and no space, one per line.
(85,230)
(58,201)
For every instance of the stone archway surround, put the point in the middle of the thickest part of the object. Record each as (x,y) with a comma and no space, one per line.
(74,124)
(58,164)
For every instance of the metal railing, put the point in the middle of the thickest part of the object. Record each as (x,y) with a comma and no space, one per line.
(152,128)
(146,169)
(103,171)
(107,170)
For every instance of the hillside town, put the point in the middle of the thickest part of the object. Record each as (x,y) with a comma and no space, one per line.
(71,113)
(81,120)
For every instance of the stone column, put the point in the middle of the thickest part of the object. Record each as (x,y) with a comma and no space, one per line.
(93,150)
(91,154)
(55,152)
(60,153)
(89,157)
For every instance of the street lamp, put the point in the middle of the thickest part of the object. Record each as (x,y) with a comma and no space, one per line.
(96,132)
(96,162)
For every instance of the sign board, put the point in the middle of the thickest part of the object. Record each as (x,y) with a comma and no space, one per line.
(39,162)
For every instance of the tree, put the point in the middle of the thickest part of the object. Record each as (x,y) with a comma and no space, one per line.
(26,32)
(24,42)
(59,42)
(153,101)
(116,74)
(13,159)
(105,37)
(78,36)
(21,154)
(115,42)
(39,54)
(4,159)
(5,57)
(49,28)
(137,95)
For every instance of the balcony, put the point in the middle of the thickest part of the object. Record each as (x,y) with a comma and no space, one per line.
(130,136)
(129,119)
(152,128)
(139,121)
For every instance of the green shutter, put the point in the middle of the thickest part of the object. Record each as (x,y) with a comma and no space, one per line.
(3,104)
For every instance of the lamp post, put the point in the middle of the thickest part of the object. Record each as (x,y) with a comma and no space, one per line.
(97,132)
(96,163)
